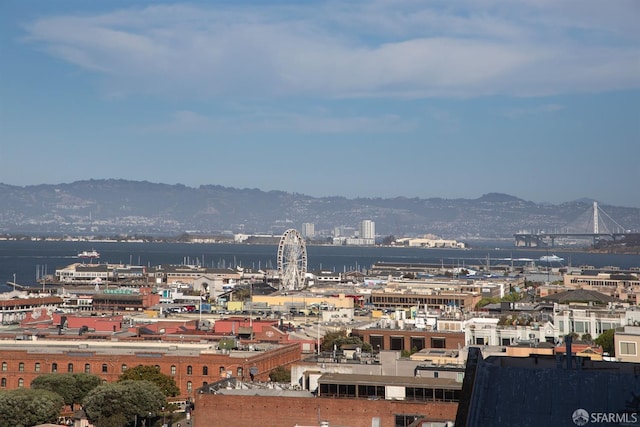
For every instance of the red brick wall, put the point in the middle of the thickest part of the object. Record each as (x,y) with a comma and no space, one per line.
(266,411)
(265,361)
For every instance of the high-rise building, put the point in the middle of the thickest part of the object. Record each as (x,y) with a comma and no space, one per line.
(368,229)
(308,230)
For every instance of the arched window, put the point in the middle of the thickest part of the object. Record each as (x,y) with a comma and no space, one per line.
(105,368)
(222,370)
(189,370)
(205,370)
(54,367)
(21,367)
(37,367)
(123,368)
(87,368)
(20,382)
(4,366)
(239,372)
(3,382)
(189,385)
(173,369)
(70,367)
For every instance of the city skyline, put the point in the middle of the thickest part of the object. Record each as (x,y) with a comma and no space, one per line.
(356,99)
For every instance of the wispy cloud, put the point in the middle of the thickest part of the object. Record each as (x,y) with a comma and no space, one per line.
(400,49)
(537,109)
(185,121)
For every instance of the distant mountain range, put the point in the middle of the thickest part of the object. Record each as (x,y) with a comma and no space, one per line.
(108,207)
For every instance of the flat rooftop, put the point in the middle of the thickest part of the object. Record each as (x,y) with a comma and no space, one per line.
(121,348)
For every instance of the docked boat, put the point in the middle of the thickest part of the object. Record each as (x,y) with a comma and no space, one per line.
(89,254)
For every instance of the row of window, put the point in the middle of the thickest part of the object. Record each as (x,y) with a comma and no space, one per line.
(3,384)
(398,343)
(105,368)
(424,394)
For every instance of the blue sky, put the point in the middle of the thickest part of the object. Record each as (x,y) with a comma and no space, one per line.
(540,100)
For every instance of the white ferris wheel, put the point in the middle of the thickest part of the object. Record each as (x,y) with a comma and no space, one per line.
(292,260)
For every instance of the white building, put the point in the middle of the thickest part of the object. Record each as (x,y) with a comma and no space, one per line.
(367,229)
(308,229)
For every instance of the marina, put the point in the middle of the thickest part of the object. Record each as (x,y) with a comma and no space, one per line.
(29,262)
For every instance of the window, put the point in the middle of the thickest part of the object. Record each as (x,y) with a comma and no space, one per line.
(403,420)
(54,367)
(20,382)
(417,343)
(205,370)
(222,370)
(70,367)
(173,369)
(438,342)
(627,348)
(105,368)
(3,382)
(37,367)
(397,343)
(21,367)
(189,370)
(4,366)
(87,368)
(435,374)
(239,372)
(123,368)
(189,386)
(377,342)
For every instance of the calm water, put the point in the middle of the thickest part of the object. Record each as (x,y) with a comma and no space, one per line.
(30,260)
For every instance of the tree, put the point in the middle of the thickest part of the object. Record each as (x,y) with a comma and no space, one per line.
(605,340)
(118,404)
(152,373)
(387,241)
(71,387)
(280,375)
(339,338)
(26,407)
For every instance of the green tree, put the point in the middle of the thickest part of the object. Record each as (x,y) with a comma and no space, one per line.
(72,387)
(27,407)
(119,404)
(339,338)
(280,375)
(387,241)
(486,301)
(152,373)
(605,340)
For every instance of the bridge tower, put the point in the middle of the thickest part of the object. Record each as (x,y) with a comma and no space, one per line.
(595,218)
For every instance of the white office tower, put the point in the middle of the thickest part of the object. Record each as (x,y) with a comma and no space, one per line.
(308,230)
(368,230)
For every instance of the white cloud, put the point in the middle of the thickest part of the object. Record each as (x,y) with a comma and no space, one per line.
(185,121)
(348,50)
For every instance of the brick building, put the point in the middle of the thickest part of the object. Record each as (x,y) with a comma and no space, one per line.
(191,365)
(407,339)
(350,400)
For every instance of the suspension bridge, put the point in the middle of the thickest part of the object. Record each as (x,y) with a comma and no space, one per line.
(595,224)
